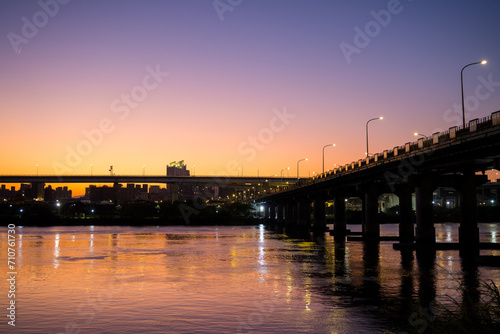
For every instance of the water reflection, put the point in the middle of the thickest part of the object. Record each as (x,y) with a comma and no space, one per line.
(219,279)
(406,272)
(56,251)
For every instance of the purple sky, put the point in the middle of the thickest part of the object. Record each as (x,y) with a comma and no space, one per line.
(231,71)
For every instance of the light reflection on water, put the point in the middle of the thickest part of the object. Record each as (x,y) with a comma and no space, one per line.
(225,280)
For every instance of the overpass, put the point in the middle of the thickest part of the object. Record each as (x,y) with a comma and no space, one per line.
(452,158)
(194,180)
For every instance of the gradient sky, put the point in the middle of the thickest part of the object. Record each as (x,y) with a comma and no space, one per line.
(229,72)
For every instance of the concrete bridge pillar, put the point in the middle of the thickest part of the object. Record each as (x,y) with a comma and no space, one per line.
(425,231)
(371,227)
(468,231)
(288,212)
(272,211)
(303,217)
(319,219)
(267,211)
(339,215)
(272,215)
(406,228)
(280,219)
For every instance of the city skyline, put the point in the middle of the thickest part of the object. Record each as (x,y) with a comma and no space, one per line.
(230,87)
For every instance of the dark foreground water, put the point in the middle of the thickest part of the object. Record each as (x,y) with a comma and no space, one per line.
(226,280)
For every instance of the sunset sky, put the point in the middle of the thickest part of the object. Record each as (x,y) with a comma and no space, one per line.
(263,83)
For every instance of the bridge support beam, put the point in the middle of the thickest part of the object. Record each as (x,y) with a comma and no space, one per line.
(267,212)
(371,227)
(272,215)
(279,215)
(425,231)
(468,232)
(303,216)
(288,213)
(406,228)
(280,221)
(339,226)
(272,211)
(319,222)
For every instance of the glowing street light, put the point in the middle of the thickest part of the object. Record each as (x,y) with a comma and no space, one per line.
(91,171)
(36,169)
(419,134)
(144,170)
(373,119)
(305,159)
(462,85)
(324,155)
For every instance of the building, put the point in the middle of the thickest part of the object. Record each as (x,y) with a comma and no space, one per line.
(177,169)
(179,192)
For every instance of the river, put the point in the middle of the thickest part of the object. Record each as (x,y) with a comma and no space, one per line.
(122,279)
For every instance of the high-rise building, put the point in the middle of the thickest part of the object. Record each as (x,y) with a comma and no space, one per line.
(178,192)
(177,169)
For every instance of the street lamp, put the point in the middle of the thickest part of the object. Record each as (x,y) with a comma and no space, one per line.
(419,134)
(144,170)
(373,119)
(281,173)
(298,166)
(462,85)
(194,170)
(90,169)
(36,169)
(324,155)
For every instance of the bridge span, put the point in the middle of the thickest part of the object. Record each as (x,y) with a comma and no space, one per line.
(111,179)
(452,158)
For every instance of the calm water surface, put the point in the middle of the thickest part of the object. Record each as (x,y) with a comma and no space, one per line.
(109,279)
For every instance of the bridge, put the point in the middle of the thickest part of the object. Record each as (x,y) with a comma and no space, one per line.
(194,180)
(452,158)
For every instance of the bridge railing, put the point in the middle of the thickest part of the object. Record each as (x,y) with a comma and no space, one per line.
(435,140)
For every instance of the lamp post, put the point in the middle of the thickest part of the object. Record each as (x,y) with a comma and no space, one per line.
(298,166)
(373,119)
(144,170)
(91,170)
(194,170)
(281,173)
(324,155)
(36,169)
(419,134)
(462,85)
